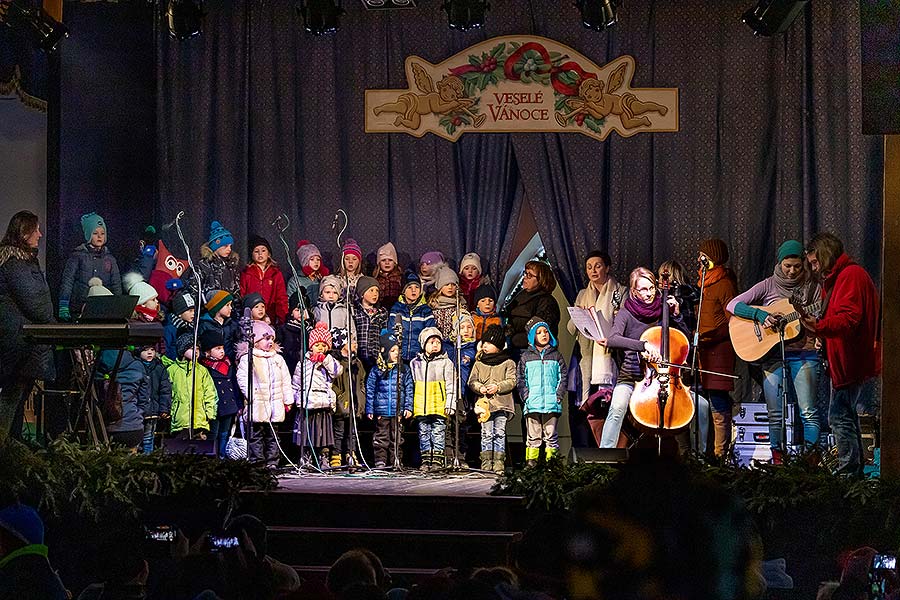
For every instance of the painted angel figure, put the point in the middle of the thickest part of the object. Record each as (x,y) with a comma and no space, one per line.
(446,97)
(593,100)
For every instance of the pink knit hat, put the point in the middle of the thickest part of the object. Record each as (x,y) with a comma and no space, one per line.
(387,251)
(262,329)
(351,247)
(320,333)
(305,251)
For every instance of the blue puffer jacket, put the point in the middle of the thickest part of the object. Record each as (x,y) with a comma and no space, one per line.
(84,263)
(542,380)
(381,391)
(135,391)
(414,319)
(467,356)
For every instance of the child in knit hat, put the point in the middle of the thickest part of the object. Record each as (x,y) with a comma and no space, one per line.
(159,394)
(179,318)
(88,260)
(315,399)
(446,301)
(493,378)
(485,314)
(312,269)
(181,375)
(293,334)
(218,311)
(434,396)
(413,314)
(389,275)
(541,377)
(351,266)
(331,309)
(263,277)
(273,394)
(385,390)
(218,267)
(224,376)
(370,318)
(471,277)
(429,264)
(147,308)
(463,333)
(257,305)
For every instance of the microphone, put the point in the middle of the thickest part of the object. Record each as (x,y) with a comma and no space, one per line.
(334,221)
(172,223)
(705,262)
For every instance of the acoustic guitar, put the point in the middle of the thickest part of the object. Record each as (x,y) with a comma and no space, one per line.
(752,341)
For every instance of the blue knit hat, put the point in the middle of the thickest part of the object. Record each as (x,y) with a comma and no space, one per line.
(218,236)
(23,522)
(89,223)
(790,248)
(411,278)
(533,325)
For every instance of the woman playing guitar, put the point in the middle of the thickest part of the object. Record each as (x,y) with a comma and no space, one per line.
(641,310)
(791,280)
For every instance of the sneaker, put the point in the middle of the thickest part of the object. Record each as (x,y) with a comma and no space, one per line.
(380,464)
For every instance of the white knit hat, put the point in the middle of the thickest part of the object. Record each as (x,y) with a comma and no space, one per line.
(135,285)
(470,259)
(96,288)
(387,251)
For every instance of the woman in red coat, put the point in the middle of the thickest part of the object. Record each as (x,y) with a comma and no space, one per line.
(263,276)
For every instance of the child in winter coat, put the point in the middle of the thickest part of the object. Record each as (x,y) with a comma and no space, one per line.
(332,310)
(222,371)
(485,314)
(542,386)
(493,378)
(430,263)
(465,329)
(434,396)
(471,277)
(147,309)
(205,398)
(218,309)
(273,394)
(257,305)
(370,319)
(389,275)
(179,319)
(219,266)
(413,314)
(382,386)
(293,334)
(315,399)
(159,397)
(446,301)
(262,276)
(90,259)
(312,270)
(351,268)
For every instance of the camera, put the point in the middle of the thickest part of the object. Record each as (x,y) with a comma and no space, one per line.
(217,543)
(882,565)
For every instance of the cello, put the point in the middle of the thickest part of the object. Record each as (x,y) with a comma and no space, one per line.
(660,403)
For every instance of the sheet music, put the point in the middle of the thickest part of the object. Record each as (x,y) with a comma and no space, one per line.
(590,323)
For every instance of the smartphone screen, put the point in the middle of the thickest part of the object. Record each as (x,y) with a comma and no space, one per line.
(162,533)
(220,542)
(881,565)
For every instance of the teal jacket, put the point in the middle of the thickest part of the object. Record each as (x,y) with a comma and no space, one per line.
(541,380)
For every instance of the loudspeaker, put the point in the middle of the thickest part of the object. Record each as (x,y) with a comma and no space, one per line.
(598,455)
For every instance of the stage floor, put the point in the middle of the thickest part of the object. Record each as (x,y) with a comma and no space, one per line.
(471,485)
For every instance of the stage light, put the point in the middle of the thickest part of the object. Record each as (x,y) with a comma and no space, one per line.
(388,4)
(597,14)
(466,14)
(34,24)
(320,17)
(769,17)
(185,18)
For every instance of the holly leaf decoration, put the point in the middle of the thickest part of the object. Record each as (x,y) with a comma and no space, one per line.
(595,125)
(498,50)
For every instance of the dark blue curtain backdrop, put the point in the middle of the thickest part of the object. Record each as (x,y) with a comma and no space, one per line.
(256,117)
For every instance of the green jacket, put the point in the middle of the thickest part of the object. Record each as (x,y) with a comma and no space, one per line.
(205,398)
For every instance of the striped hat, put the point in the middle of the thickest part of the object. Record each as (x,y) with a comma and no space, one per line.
(320,333)
(351,247)
(216,300)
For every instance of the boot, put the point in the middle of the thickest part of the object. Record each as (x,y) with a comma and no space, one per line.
(550,453)
(486,461)
(777,456)
(335,460)
(426,461)
(722,430)
(499,462)
(531,456)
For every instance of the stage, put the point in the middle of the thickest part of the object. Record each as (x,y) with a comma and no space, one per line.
(416,523)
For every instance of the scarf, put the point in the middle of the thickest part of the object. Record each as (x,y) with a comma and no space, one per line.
(442,301)
(221,366)
(315,275)
(494,359)
(146,314)
(714,275)
(645,313)
(383,365)
(467,286)
(800,289)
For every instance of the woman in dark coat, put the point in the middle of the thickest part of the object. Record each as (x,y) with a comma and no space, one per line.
(535,299)
(24,298)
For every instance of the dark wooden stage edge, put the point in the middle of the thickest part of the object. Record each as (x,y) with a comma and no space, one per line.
(416,523)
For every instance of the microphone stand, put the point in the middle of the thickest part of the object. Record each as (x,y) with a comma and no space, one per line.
(196,323)
(398,466)
(782,323)
(695,357)
(247,330)
(458,372)
(354,431)
(282,223)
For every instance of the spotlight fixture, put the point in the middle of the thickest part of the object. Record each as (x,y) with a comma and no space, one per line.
(466,14)
(34,24)
(388,4)
(185,18)
(769,17)
(321,17)
(597,14)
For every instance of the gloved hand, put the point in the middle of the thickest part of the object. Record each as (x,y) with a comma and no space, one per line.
(64,312)
(317,358)
(149,251)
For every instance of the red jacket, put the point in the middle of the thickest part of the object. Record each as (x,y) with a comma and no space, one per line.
(270,285)
(851,326)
